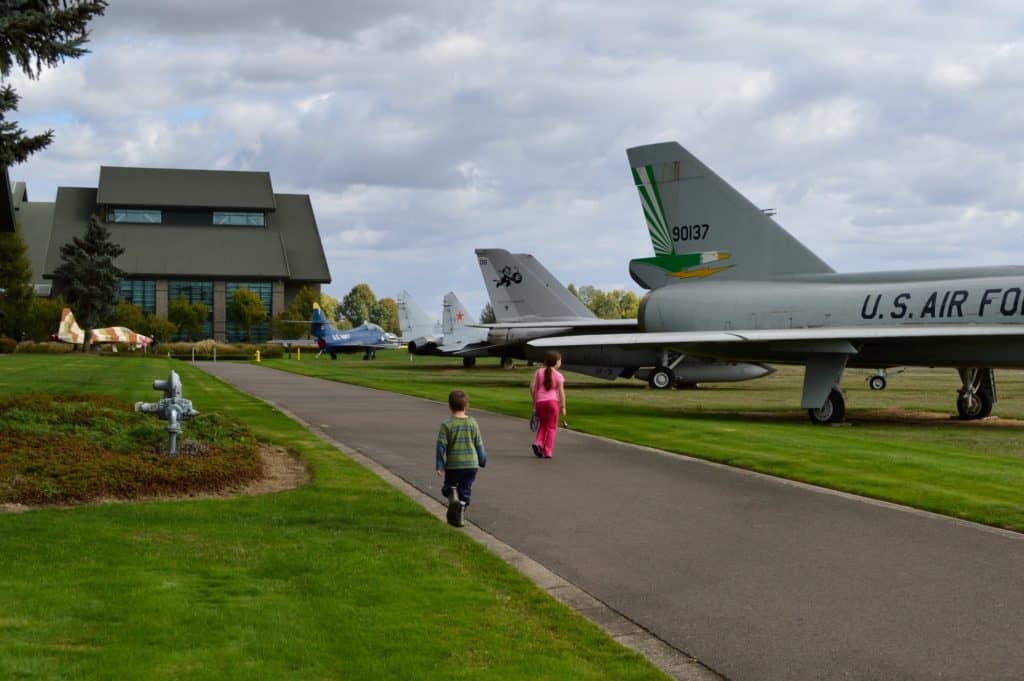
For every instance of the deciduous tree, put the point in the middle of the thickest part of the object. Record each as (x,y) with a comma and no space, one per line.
(357,304)
(246,309)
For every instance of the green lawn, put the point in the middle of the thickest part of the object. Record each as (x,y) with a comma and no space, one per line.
(344,578)
(900,445)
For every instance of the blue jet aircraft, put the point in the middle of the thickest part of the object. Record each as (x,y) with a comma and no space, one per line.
(366,338)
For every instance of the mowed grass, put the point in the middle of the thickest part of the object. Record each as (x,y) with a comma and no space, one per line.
(342,579)
(900,445)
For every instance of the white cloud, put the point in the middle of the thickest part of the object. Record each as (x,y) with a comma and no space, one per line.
(886,136)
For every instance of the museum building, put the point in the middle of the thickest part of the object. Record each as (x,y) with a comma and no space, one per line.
(200,234)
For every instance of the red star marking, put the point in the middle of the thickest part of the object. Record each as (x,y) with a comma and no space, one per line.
(459,315)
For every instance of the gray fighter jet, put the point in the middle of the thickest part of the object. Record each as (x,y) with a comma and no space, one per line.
(529,302)
(728,283)
(453,337)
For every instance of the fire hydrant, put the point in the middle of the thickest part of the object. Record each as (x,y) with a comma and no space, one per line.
(173,408)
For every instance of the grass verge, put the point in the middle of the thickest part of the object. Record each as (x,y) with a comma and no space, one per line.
(900,446)
(344,578)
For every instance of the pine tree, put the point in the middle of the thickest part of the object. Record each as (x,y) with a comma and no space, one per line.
(35,34)
(87,276)
(487,315)
(16,280)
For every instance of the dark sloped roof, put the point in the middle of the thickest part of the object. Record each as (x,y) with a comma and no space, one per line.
(36,219)
(301,238)
(164,188)
(288,247)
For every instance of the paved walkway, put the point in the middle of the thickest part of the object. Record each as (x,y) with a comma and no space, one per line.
(758,578)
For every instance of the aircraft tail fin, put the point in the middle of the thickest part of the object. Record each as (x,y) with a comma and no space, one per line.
(455,319)
(319,326)
(701,227)
(521,289)
(414,322)
(69,331)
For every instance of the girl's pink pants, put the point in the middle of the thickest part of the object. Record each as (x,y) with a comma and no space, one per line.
(547,412)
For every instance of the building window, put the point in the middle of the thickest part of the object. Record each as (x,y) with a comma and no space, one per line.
(239,219)
(141,292)
(261,332)
(194,292)
(135,216)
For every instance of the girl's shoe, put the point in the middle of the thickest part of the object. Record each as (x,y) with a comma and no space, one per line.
(536,450)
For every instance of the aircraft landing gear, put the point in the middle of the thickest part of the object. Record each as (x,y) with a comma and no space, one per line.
(977,395)
(334,355)
(877,382)
(508,363)
(661,378)
(833,411)
(469,362)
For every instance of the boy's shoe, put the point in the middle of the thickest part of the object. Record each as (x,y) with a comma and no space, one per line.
(536,450)
(461,520)
(454,508)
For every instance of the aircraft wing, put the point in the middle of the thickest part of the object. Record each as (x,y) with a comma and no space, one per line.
(573,323)
(830,333)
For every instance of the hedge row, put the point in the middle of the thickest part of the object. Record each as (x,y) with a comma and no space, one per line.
(204,350)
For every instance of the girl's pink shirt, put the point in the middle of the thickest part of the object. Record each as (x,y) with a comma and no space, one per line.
(540,394)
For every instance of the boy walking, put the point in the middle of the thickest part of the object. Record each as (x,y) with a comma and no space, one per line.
(460,452)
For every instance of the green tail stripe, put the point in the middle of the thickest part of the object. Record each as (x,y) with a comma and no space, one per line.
(636,178)
(661,246)
(659,232)
(657,195)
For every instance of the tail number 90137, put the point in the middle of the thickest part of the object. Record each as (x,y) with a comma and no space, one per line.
(690,232)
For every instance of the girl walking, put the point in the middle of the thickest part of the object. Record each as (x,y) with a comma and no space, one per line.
(548,393)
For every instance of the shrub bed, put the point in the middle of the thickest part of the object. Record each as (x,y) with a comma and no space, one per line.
(58,449)
(7,345)
(205,350)
(54,348)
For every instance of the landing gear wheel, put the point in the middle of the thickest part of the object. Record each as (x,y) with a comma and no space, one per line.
(877,383)
(508,363)
(833,411)
(661,378)
(469,362)
(334,355)
(972,407)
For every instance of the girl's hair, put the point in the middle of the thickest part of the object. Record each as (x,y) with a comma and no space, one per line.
(550,360)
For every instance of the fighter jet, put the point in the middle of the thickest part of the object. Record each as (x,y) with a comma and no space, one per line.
(728,283)
(529,302)
(454,338)
(70,332)
(366,338)
(420,333)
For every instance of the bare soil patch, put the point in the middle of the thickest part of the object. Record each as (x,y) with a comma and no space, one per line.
(282,471)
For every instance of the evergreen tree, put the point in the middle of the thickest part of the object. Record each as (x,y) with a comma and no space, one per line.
(16,280)
(357,303)
(246,309)
(487,315)
(88,277)
(35,34)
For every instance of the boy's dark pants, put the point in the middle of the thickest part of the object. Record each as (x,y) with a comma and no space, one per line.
(462,480)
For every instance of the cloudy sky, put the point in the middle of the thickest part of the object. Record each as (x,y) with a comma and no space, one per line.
(887,135)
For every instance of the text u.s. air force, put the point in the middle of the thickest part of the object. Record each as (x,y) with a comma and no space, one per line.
(945,304)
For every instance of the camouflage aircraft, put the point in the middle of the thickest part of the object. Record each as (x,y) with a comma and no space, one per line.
(728,283)
(529,302)
(70,332)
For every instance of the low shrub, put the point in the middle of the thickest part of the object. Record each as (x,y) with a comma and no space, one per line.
(7,345)
(204,350)
(47,348)
(70,449)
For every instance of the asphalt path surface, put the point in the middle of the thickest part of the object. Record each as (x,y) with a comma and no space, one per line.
(758,578)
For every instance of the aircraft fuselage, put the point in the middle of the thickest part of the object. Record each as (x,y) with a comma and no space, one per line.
(860,300)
